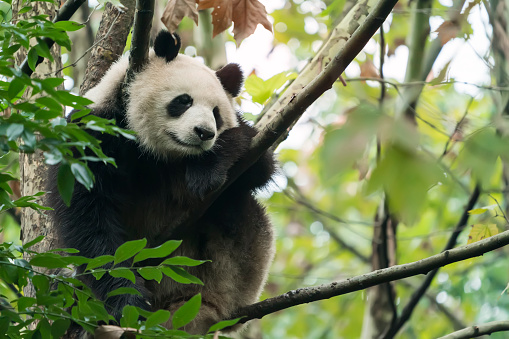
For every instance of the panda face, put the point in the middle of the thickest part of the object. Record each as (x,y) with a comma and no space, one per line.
(179,108)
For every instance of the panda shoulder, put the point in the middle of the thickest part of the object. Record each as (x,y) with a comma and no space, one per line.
(109,83)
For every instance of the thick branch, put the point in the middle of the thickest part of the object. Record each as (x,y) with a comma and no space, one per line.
(65,13)
(109,42)
(479,330)
(299,102)
(138,54)
(419,293)
(310,294)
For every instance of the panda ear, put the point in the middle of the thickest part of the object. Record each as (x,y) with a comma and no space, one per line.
(167,45)
(231,78)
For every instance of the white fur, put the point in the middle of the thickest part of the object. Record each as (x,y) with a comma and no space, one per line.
(153,89)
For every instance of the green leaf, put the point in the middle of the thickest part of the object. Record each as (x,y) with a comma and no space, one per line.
(123,272)
(129,316)
(68,25)
(50,103)
(33,242)
(99,261)
(158,317)
(406,176)
(4,325)
(180,275)
(82,173)
(123,290)
(15,87)
(53,260)
(187,312)
(98,275)
(65,183)
(25,9)
(32,58)
(129,250)
(158,252)
(183,261)
(223,324)
(151,273)
(481,231)
(14,131)
(25,302)
(59,327)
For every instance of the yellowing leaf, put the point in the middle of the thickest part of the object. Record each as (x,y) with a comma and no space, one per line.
(221,15)
(176,10)
(261,90)
(478,211)
(247,14)
(481,231)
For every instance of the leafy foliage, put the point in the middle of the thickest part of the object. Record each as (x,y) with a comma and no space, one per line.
(63,298)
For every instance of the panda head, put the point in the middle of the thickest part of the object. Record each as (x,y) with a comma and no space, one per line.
(178,106)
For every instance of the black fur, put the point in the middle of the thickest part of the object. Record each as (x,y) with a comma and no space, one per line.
(231,78)
(167,45)
(145,197)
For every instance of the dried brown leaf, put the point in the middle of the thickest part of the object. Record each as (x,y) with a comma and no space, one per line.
(448,30)
(368,70)
(247,14)
(176,10)
(221,15)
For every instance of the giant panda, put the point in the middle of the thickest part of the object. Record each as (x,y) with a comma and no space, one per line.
(188,137)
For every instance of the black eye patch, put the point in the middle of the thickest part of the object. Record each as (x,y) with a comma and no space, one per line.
(217,116)
(179,105)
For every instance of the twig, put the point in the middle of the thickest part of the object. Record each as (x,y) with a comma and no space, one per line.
(479,330)
(430,83)
(310,294)
(65,13)
(89,49)
(500,208)
(417,295)
(456,129)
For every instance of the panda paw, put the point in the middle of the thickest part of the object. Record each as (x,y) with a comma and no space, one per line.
(202,180)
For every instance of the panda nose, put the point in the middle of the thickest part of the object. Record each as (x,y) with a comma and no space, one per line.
(203,133)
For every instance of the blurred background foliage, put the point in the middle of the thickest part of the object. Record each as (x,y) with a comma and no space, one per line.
(450,137)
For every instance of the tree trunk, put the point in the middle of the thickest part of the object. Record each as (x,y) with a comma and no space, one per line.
(32,167)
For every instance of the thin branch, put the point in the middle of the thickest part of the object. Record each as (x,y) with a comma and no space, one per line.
(65,13)
(479,330)
(292,111)
(138,55)
(418,294)
(500,208)
(457,129)
(429,83)
(310,294)
(89,49)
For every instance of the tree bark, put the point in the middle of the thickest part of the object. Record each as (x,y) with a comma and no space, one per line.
(110,42)
(32,167)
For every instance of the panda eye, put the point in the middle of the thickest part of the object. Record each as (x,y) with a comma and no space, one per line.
(219,120)
(179,105)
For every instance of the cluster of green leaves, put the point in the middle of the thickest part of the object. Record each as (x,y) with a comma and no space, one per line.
(63,298)
(33,109)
